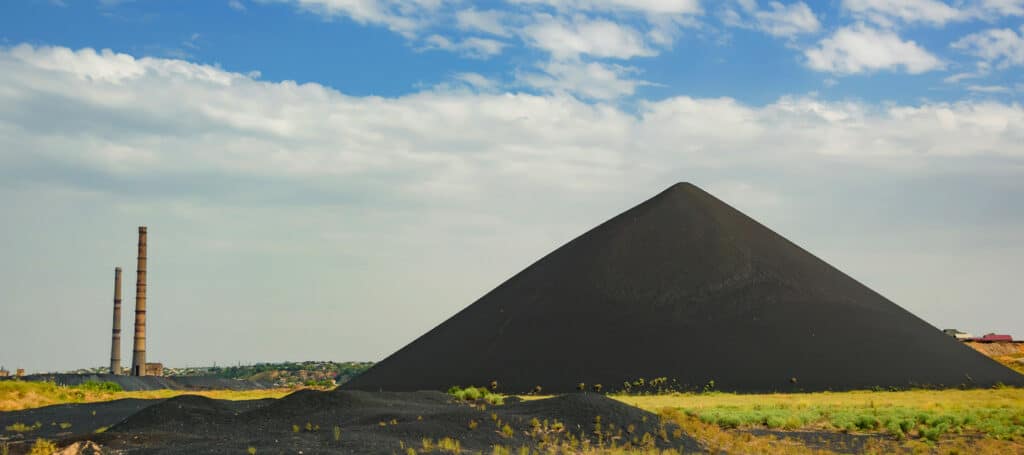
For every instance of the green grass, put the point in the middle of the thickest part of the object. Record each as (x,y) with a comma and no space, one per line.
(920,414)
(476,394)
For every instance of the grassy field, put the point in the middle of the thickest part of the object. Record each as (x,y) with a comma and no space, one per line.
(946,421)
(18,395)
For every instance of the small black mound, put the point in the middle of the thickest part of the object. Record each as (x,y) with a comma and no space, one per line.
(686,288)
(581,413)
(185,413)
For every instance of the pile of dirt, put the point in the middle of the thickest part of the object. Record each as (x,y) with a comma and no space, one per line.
(999,348)
(387,422)
(685,288)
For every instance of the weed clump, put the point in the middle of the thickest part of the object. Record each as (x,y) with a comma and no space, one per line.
(477,394)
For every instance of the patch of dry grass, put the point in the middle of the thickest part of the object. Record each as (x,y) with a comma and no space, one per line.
(19,395)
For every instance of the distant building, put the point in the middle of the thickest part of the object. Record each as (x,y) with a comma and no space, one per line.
(20,372)
(4,373)
(154,369)
(958,334)
(994,338)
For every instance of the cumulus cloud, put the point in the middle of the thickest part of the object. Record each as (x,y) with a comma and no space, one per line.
(482,21)
(1001,47)
(596,81)
(159,115)
(861,48)
(570,38)
(787,20)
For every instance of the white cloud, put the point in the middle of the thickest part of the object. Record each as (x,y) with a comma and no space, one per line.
(587,80)
(885,12)
(888,13)
(472,47)
(113,113)
(581,36)
(402,16)
(1001,47)
(477,81)
(860,48)
(988,88)
(641,6)
(787,20)
(236,5)
(483,21)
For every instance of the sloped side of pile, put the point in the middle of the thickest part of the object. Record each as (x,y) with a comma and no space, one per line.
(686,290)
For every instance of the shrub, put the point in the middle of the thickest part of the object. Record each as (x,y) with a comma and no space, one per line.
(43,447)
(337,433)
(95,386)
(251,450)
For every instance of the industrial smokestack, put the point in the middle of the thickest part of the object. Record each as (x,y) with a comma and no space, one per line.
(115,342)
(139,354)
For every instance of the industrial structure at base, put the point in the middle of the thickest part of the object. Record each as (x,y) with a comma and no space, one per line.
(139,365)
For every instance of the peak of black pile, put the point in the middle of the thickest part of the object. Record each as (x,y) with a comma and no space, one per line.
(685,288)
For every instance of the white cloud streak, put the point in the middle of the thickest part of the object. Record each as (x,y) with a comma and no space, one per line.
(862,49)
(570,38)
(1001,47)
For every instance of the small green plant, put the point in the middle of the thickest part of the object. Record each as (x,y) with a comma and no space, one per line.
(507,431)
(475,394)
(42,447)
(410,451)
(4,448)
(95,386)
(337,433)
(449,445)
(65,425)
(251,450)
(473,424)
(19,427)
(709,387)
(581,387)
(295,428)
(101,430)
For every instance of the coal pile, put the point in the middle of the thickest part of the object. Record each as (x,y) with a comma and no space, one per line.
(683,292)
(385,422)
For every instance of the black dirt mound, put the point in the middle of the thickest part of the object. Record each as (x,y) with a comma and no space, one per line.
(387,422)
(685,288)
(185,413)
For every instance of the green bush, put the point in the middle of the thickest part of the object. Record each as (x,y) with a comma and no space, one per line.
(95,386)
(476,394)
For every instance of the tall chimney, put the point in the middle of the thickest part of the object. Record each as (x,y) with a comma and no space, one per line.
(115,342)
(139,354)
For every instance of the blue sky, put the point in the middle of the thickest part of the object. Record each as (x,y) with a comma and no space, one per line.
(750,51)
(328,179)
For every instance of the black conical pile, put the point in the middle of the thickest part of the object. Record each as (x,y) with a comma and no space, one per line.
(683,287)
